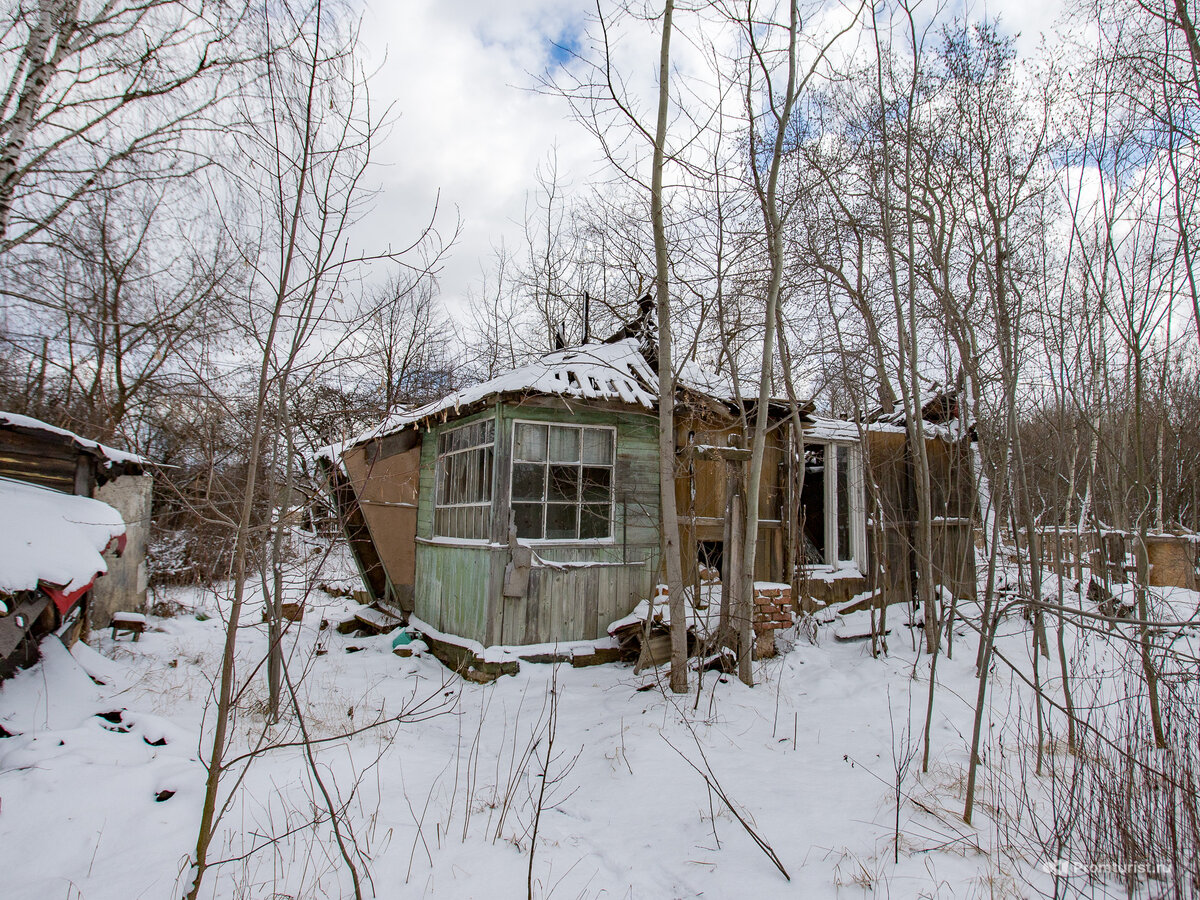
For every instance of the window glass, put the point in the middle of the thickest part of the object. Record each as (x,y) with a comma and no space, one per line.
(528,481)
(830,505)
(528,518)
(463,481)
(564,445)
(561,521)
(562,481)
(596,483)
(597,446)
(529,442)
(594,520)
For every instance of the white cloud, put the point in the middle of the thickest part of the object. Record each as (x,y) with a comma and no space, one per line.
(468,122)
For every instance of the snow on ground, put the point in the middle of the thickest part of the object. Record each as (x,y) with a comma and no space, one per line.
(443,807)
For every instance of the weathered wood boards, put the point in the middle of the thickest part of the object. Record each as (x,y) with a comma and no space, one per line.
(575,588)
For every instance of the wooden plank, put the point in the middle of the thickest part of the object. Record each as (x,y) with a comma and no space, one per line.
(362,549)
(532,629)
(52,471)
(501,476)
(591,600)
(387,495)
(373,619)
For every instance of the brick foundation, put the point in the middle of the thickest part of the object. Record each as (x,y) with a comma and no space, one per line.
(772,611)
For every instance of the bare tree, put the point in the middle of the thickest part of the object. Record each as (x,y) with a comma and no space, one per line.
(405,342)
(666,375)
(307,136)
(133,281)
(761,82)
(99,96)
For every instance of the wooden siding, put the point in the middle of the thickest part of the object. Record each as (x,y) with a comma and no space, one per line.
(453,583)
(459,584)
(47,462)
(891,493)
(700,494)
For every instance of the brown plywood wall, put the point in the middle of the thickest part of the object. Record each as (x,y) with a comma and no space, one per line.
(385,475)
(700,493)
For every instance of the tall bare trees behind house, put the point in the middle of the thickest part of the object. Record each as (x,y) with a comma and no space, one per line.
(306,134)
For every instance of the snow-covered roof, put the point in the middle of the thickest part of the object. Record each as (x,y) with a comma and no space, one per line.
(109,454)
(615,371)
(48,536)
(695,377)
(822,428)
(950,431)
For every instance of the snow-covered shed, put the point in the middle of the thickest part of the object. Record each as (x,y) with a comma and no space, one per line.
(38,453)
(53,546)
(563,451)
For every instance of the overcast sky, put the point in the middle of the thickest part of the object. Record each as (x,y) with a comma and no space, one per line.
(468,123)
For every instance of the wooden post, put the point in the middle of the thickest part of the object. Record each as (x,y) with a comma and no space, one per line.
(729,558)
(742,581)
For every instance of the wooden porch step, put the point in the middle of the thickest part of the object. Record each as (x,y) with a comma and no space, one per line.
(376,620)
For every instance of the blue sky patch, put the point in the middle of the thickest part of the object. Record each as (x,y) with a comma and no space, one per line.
(564,47)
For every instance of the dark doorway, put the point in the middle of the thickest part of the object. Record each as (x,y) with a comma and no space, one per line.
(711,554)
(812,505)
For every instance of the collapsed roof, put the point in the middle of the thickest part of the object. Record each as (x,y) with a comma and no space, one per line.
(613,372)
(616,370)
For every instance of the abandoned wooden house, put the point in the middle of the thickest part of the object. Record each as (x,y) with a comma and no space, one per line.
(525,509)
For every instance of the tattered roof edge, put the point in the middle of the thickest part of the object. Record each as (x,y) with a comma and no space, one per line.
(110,455)
(615,372)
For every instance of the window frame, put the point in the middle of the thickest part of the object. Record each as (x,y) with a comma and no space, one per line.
(578,504)
(439,503)
(855,508)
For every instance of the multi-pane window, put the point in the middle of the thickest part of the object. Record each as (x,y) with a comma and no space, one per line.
(562,481)
(464,481)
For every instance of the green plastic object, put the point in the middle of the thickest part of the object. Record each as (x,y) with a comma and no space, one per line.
(401,639)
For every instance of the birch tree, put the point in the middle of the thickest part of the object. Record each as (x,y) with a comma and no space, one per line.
(97,96)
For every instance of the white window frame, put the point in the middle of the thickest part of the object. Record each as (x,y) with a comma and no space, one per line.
(512,461)
(439,503)
(855,509)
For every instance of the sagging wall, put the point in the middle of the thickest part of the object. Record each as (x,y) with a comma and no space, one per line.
(892,514)
(123,589)
(385,475)
(581,586)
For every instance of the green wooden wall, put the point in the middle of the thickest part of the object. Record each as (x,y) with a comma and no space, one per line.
(459,585)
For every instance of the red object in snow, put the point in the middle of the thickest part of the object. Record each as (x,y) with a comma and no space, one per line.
(64,600)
